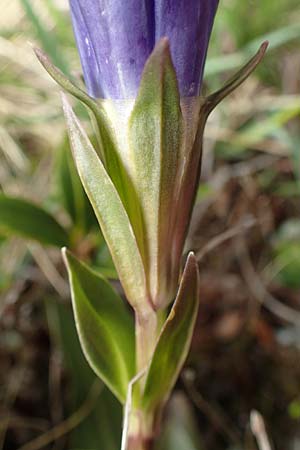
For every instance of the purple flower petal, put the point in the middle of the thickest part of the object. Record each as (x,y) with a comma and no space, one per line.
(187,24)
(115,38)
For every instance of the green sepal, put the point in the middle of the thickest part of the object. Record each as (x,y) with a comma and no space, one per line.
(110,212)
(25,219)
(192,169)
(155,141)
(234,82)
(109,152)
(174,341)
(63,81)
(104,325)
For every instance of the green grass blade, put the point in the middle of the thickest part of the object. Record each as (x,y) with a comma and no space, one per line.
(47,39)
(23,218)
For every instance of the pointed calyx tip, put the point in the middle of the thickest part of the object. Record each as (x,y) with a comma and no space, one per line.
(264,46)
(162,47)
(234,82)
(164,42)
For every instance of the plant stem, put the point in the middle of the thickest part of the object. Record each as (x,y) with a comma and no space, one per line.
(134,444)
(141,423)
(141,432)
(146,332)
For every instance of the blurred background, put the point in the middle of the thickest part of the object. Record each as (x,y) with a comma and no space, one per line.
(245,231)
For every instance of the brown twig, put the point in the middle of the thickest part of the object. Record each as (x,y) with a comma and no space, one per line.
(216,416)
(228,234)
(227,173)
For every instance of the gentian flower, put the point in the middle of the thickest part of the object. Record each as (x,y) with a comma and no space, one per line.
(117,41)
(116,37)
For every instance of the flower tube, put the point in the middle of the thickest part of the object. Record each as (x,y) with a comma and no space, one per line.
(188,25)
(115,38)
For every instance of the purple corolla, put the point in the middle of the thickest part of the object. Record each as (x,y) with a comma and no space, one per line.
(115,38)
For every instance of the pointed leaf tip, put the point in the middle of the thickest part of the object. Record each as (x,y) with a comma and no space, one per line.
(63,81)
(163,44)
(264,46)
(174,341)
(161,52)
(191,261)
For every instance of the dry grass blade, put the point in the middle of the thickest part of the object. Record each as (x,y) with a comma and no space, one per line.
(259,430)
(49,269)
(214,414)
(258,289)
(228,234)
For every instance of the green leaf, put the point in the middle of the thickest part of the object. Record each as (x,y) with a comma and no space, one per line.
(156,138)
(109,152)
(110,212)
(22,218)
(175,338)
(104,326)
